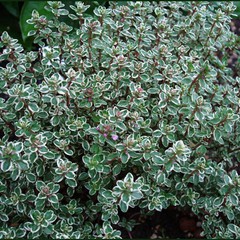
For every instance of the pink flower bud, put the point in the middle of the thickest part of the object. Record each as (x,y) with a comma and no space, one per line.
(115,137)
(105,135)
(140,89)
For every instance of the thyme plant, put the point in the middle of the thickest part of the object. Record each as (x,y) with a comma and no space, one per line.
(136,107)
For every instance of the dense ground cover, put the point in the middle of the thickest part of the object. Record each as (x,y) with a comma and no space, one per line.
(121,122)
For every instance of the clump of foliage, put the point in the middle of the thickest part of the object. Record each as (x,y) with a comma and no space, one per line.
(134,108)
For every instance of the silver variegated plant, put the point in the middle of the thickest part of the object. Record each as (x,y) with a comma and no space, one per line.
(136,107)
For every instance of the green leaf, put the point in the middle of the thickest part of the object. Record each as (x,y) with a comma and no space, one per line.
(120,147)
(123,103)
(63,11)
(228,127)
(186,80)
(50,216)
(42,114)
(144,77)
(31,177)
(85,145)
(49,230)
(123,206)
(39,203)
(19,106)
(237,11)
(117,169)
(156,157)
(33,107)
(71,182)
(169,166)
(218,202)
(49,155)
(39,185)
(199,115)
(15,174)
(26,14)
(230,214)
(2,188)
(146,155)
(218,136)
(129,178)
(233,228)
(161,177)
(157,133)
(233,199)
(121,126)
(73,17)
(99,102)
(2,83)
(33,156)
(93,131)
(70,175)
(18,147)
(43,150)
(124,157)
(6,165)
(35,214)
(4,217)
(185,110)
(21,69)
(34,228)
(55,120)
(68,152)
(19,132)
(9,116)
(58,178)
(70,192)
(23,165)
(83,176)
(153,90)
(136,195)
(40,169)
(20,233)
(55,188)
(171,137)
(12,7)
(53,198)
(107,194)
(165,141)
(227,180)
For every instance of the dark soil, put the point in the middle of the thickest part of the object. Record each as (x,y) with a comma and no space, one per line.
(169,223)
